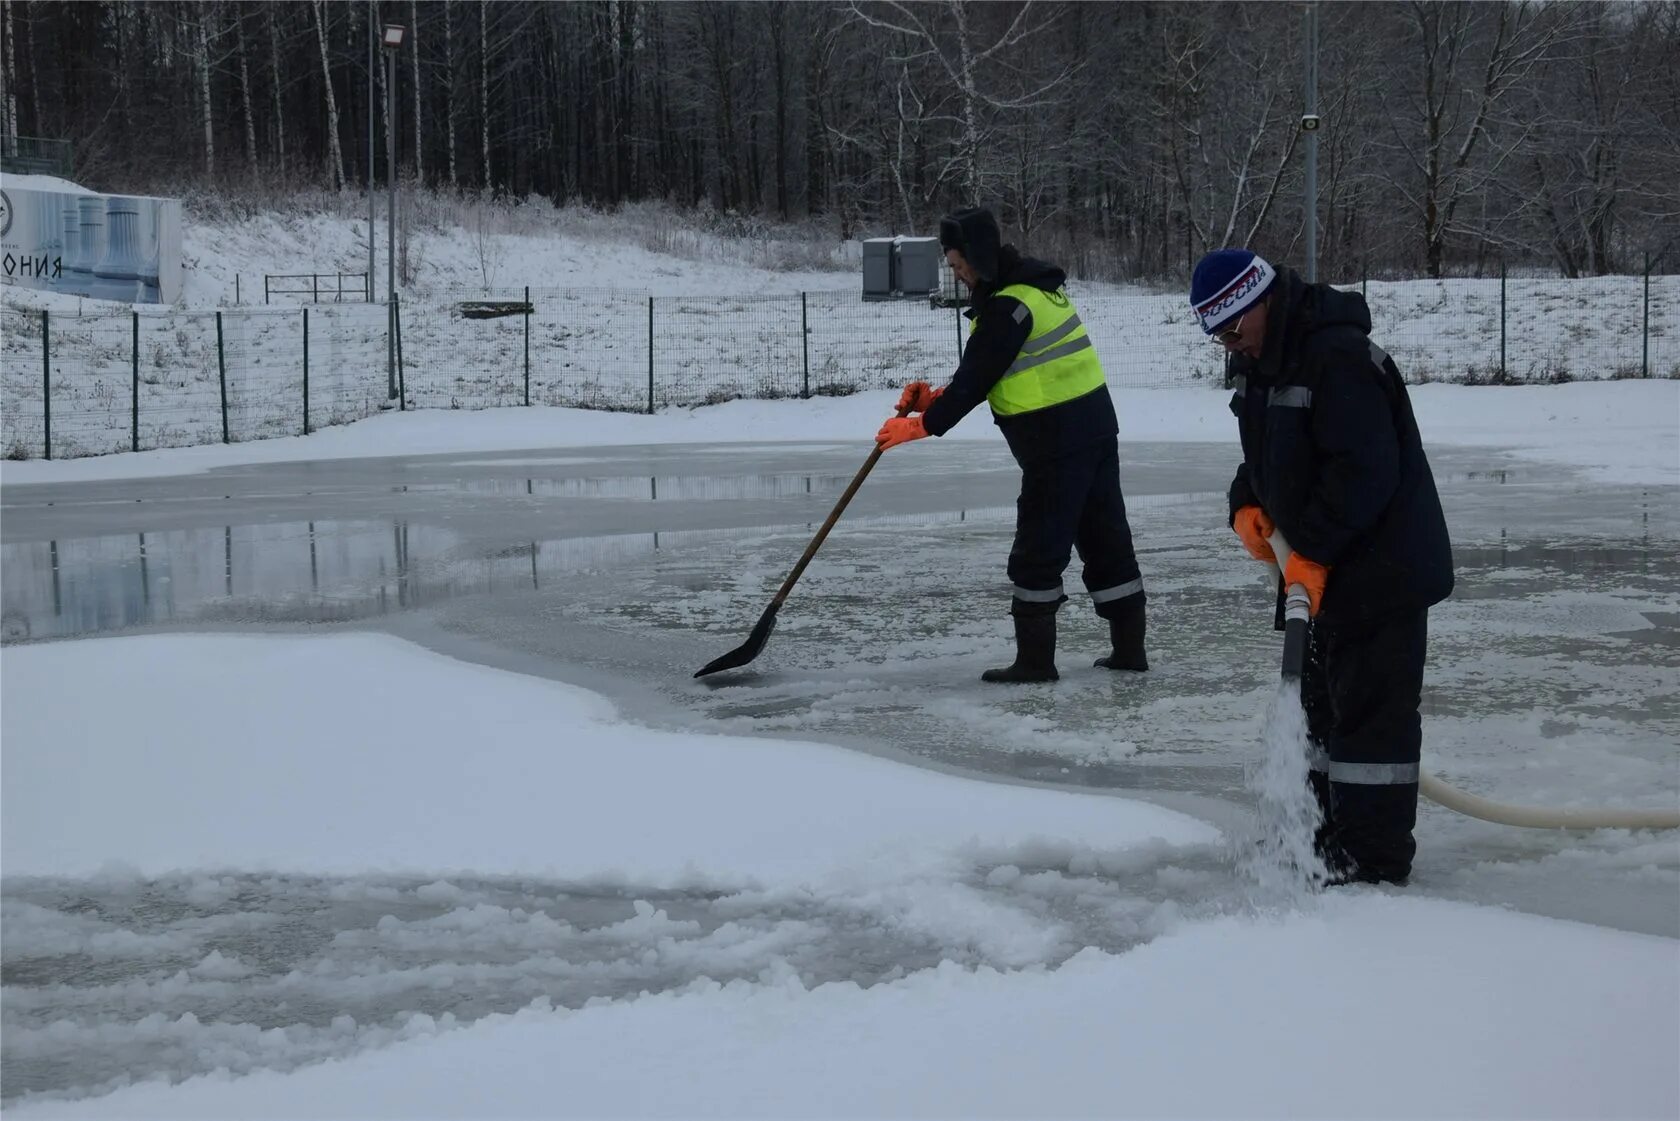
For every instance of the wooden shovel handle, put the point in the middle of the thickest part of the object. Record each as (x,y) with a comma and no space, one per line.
(833,516)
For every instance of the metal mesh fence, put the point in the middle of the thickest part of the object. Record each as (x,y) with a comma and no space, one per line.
(1526,331)
(21,420)
(709,349)
(347,363)
(121,381)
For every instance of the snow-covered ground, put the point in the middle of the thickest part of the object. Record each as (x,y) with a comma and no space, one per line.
(404,809)
(296,875)
(1624,431)
(633,304)
(339,873)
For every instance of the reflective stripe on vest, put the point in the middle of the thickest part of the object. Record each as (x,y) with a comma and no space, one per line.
(1056,364)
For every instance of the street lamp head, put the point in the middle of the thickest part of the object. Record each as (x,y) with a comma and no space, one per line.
(393,35)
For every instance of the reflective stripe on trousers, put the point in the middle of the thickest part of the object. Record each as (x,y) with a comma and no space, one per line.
(1119,591)
(1362,774)
(1373,774)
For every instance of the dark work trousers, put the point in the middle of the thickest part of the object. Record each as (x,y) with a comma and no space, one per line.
(1073,501)
(1361,689)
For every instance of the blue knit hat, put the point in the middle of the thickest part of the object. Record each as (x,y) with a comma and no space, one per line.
(1226,283)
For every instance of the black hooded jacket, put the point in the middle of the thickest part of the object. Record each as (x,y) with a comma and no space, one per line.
(1331,452)
(990,351)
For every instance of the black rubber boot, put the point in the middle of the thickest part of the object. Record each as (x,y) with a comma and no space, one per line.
(1035,652)
(1125,631)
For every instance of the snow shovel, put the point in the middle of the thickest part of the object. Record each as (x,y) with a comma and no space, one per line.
(749,649)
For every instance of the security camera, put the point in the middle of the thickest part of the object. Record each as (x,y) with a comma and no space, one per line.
(1309,122)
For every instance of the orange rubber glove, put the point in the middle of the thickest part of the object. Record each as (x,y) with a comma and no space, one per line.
(1310,575)
(900,430)
(917,396)
(1253,526)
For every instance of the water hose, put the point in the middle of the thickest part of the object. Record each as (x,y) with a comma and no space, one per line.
(1296,610)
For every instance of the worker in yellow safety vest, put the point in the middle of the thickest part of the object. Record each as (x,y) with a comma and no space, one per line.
(1030,358)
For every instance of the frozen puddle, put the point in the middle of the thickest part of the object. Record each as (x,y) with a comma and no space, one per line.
(115,980)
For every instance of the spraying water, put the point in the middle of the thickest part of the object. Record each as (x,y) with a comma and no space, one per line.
(1278,859)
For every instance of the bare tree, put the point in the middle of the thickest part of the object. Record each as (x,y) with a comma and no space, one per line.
(970,64)
(1600,149)
(335,158)
(206,16)
(8,27)
(488,249)
(1455,102)
(419,101)
(484,90)
(274,75)
(777,12)
(245,95)
(1549,131)
(449,67)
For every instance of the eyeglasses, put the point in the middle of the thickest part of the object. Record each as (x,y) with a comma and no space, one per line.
(1231,334)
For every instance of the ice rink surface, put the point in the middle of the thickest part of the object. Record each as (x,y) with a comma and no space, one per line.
(1553,680)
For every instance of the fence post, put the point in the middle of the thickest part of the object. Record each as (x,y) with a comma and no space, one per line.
(527,344)
(306,371)
(235,289)
(650,356)
(1501,319)
(402,386)
(46,388)
(1645,327)
(314,288)
(1365,277)
(221,374)
(805,343)
(134,409)
(265,288)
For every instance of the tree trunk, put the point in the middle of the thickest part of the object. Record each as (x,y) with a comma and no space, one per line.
(414,54)
(206,13)
(378,88)
(274,74)
(970,159)
(816,124)
(34,71)
(245,96)
(335,156)
(449,57)
(778,46)
(8,28)
(484,87)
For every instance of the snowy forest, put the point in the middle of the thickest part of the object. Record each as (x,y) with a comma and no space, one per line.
(1122,138)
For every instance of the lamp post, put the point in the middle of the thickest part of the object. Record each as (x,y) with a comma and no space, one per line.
(392,41)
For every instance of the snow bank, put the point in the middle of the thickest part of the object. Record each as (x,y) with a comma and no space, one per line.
(356,752)
(1622,431)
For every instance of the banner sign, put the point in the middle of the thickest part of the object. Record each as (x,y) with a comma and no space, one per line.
(105,247)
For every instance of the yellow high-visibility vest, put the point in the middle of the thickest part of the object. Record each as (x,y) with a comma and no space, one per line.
(1056,364)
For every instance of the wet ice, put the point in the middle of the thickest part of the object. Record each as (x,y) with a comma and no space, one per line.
(1553,680)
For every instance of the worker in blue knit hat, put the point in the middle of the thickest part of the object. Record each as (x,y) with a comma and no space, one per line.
(1333,461)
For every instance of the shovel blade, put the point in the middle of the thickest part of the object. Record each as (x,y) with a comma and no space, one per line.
(749,649)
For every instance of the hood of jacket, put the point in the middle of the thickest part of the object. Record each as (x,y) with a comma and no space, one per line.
(1297,310)
(1016,269)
